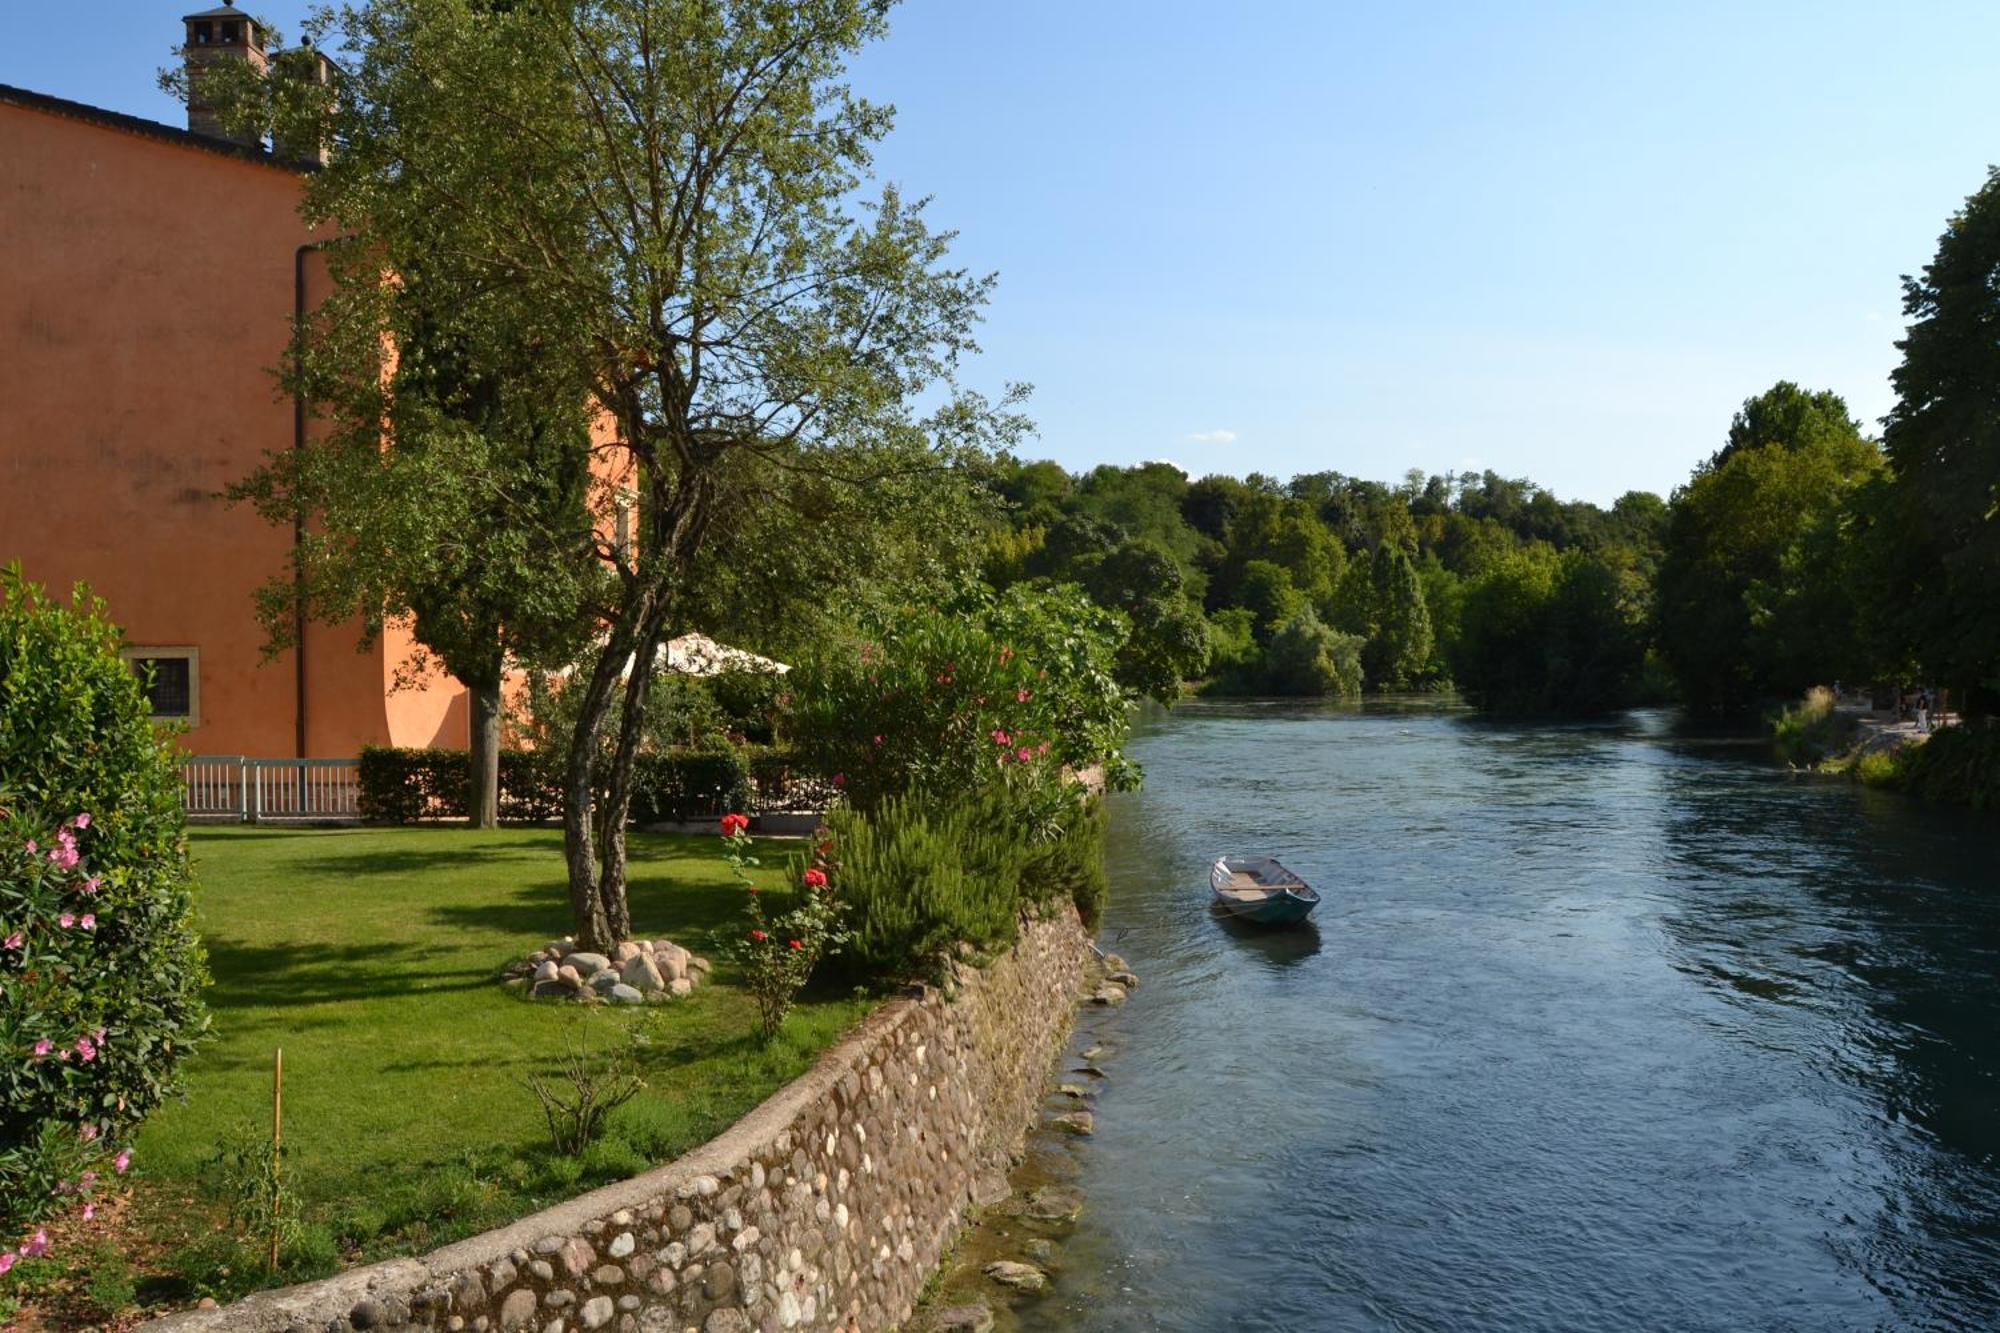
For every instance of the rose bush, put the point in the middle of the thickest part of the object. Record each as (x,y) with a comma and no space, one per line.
(100,971)
(778,953)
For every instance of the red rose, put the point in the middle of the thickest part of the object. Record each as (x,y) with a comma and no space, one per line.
(759,936)
(734,824)
(797,945)
(815,878)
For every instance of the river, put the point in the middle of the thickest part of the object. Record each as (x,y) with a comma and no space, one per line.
(1601,1027)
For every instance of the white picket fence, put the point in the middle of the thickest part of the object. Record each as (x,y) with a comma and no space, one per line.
(234,786)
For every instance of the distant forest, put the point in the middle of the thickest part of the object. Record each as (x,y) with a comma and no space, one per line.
(1802,551)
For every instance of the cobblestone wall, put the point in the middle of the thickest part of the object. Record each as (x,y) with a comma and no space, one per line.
(825,1208)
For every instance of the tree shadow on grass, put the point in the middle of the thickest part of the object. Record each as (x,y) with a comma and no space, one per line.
(689,914)
(393,861)
(251,976)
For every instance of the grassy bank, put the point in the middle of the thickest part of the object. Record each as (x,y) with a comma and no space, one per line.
(370,957)
(1956,765)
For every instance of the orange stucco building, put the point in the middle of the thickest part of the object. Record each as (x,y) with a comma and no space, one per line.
(148,277)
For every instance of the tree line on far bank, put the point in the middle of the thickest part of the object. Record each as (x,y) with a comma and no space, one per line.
(1802,551)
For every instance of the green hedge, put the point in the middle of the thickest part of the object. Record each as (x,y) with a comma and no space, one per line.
(404,786)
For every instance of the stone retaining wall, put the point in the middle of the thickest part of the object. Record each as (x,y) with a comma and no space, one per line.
(827,1207)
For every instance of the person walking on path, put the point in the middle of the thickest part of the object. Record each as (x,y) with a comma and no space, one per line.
(1923,710)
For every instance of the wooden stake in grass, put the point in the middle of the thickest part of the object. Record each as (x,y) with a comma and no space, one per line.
(277,1139)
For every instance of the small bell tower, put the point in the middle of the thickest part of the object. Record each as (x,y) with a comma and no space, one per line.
(213,36)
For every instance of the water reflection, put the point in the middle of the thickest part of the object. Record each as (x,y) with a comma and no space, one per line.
(1277,947)
(1599,1027)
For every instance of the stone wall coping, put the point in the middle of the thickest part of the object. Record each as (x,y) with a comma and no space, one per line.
(282,1308)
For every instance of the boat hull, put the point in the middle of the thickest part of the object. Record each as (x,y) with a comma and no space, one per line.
(1279,909)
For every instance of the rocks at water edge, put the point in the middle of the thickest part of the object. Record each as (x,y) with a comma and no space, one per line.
(1051,1203)
(963,1319)
(635,972)
(1080,1123)
(1021,1277)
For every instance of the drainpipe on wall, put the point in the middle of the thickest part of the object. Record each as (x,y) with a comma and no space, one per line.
(299,518)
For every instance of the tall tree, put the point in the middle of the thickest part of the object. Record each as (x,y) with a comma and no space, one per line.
(474,530)
(666,199)
(1943,438)
(1736,579)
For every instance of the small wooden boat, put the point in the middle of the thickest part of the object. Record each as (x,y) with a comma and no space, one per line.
(1257,888)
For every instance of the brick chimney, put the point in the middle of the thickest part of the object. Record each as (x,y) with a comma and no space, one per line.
(213,36)
(305,64)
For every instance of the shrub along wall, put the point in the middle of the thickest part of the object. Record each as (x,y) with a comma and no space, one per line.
(826,1208)
(404,786)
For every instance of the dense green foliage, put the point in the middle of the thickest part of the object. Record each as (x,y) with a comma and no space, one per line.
(1752,600)
(921,875)
(1958,764)
(1943,439)
(100,972)
(947,700)
(1328,584)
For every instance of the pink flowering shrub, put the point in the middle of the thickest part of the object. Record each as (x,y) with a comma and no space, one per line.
(948,700)
(100,971)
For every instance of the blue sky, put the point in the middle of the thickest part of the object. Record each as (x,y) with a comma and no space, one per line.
(1557,240)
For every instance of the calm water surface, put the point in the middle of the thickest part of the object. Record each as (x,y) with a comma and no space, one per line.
(1601,1028)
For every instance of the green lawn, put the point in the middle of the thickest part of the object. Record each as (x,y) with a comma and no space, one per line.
(371,956)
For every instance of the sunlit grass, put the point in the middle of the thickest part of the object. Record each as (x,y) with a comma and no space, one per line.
(371,956)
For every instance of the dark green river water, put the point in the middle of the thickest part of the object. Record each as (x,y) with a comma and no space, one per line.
(1600,1028)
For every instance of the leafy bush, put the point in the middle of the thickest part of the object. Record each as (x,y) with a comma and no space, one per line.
(1071,865)
(921,877)
(947,700)
(918,881)
(1306,657)
(1958,764)
(100,970)
(1811,730)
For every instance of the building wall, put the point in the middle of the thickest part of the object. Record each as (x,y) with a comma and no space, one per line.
(146,296)
(826,1208)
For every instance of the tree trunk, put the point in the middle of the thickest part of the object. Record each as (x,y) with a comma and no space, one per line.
(482,802)
(593,931)
(611,894)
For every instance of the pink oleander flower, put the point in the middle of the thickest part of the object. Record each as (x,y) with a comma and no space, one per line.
(89,1211)
(89,886)
(88,921)
(37,1246)
(16,940)
(1021,696)
(1000,737)
(88,1133)
(98,1036)
(814,878)
(6,1260)
(122,1160)
(1043,748)
(87,1048)
(86,1180)
(32,847)
(43,1047)
(878,740)
(66,920)
(1024,754)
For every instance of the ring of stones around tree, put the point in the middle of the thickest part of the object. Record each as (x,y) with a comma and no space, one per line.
(635,972)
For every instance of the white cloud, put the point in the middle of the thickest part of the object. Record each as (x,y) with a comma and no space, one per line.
(1211,437)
